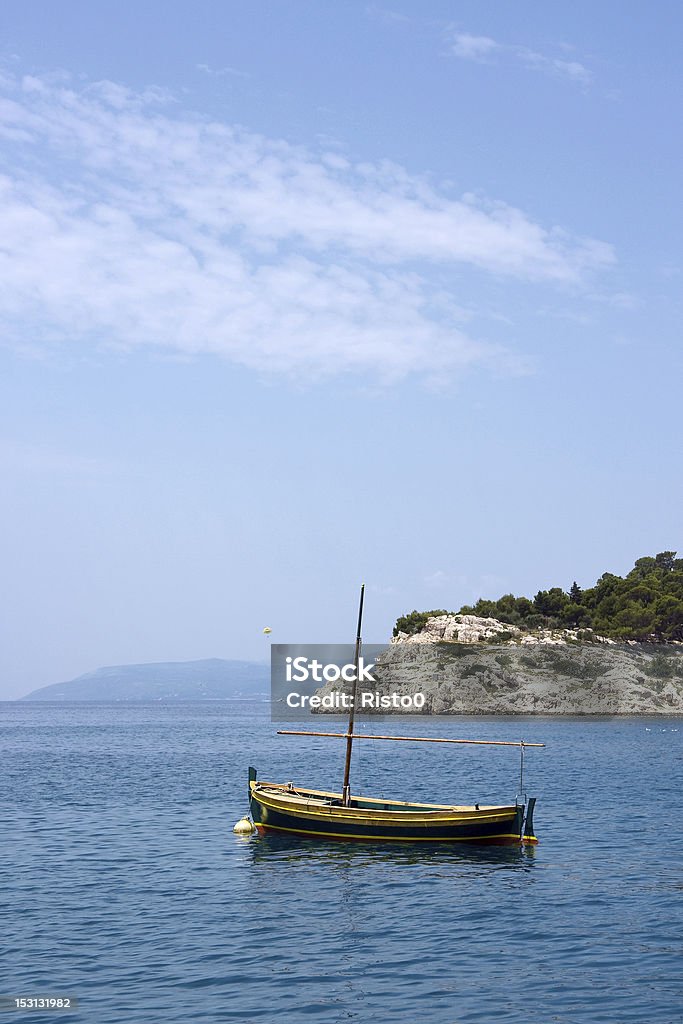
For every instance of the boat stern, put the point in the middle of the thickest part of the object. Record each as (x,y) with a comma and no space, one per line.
(527,835)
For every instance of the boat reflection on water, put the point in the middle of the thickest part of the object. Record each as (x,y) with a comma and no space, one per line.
(329,855)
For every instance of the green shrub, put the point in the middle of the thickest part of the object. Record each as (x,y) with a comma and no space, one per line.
(661,667)
(415,621)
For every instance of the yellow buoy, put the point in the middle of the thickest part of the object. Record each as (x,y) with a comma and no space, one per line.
(244,827)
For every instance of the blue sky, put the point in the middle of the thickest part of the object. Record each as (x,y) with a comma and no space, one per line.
(298,295)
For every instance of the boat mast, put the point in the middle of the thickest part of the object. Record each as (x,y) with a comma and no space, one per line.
(346,788)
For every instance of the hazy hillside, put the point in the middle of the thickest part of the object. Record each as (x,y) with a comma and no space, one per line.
(213,678)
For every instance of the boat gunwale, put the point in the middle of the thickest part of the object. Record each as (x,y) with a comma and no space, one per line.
(293,790)
(309,803)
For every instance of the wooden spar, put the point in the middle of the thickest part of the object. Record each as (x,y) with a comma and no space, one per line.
(346,788)
(349,737)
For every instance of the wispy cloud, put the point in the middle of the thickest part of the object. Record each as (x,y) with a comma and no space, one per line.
(129,222)
(222,72)
(485,49)
(387,15)
(473,47)
(571,69)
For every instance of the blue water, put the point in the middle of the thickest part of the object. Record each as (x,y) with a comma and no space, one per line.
(123,884)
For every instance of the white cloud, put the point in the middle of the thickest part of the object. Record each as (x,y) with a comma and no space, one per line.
(481,48)
(387,15)
(124,225)
(222,72)
(473,47)
(571,69)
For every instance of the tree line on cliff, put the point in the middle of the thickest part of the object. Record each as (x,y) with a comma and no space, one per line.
(647,604)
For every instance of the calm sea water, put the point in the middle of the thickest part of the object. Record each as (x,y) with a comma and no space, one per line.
(123,884)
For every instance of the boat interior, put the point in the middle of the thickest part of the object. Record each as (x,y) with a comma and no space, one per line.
(325,799)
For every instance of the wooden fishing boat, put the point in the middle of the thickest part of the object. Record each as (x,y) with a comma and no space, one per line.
(311,812)
(298,810)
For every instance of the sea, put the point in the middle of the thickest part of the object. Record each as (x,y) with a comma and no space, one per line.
(124,888)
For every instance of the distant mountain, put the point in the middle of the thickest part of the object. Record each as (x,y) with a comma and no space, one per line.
(213,678)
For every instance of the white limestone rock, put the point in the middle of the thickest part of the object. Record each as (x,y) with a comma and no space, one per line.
(461,629)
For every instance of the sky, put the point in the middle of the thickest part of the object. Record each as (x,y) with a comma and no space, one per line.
(295,296)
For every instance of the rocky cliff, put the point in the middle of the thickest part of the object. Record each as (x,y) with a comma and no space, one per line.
(469,665)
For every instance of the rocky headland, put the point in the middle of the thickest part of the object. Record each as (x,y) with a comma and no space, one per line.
(467,665)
